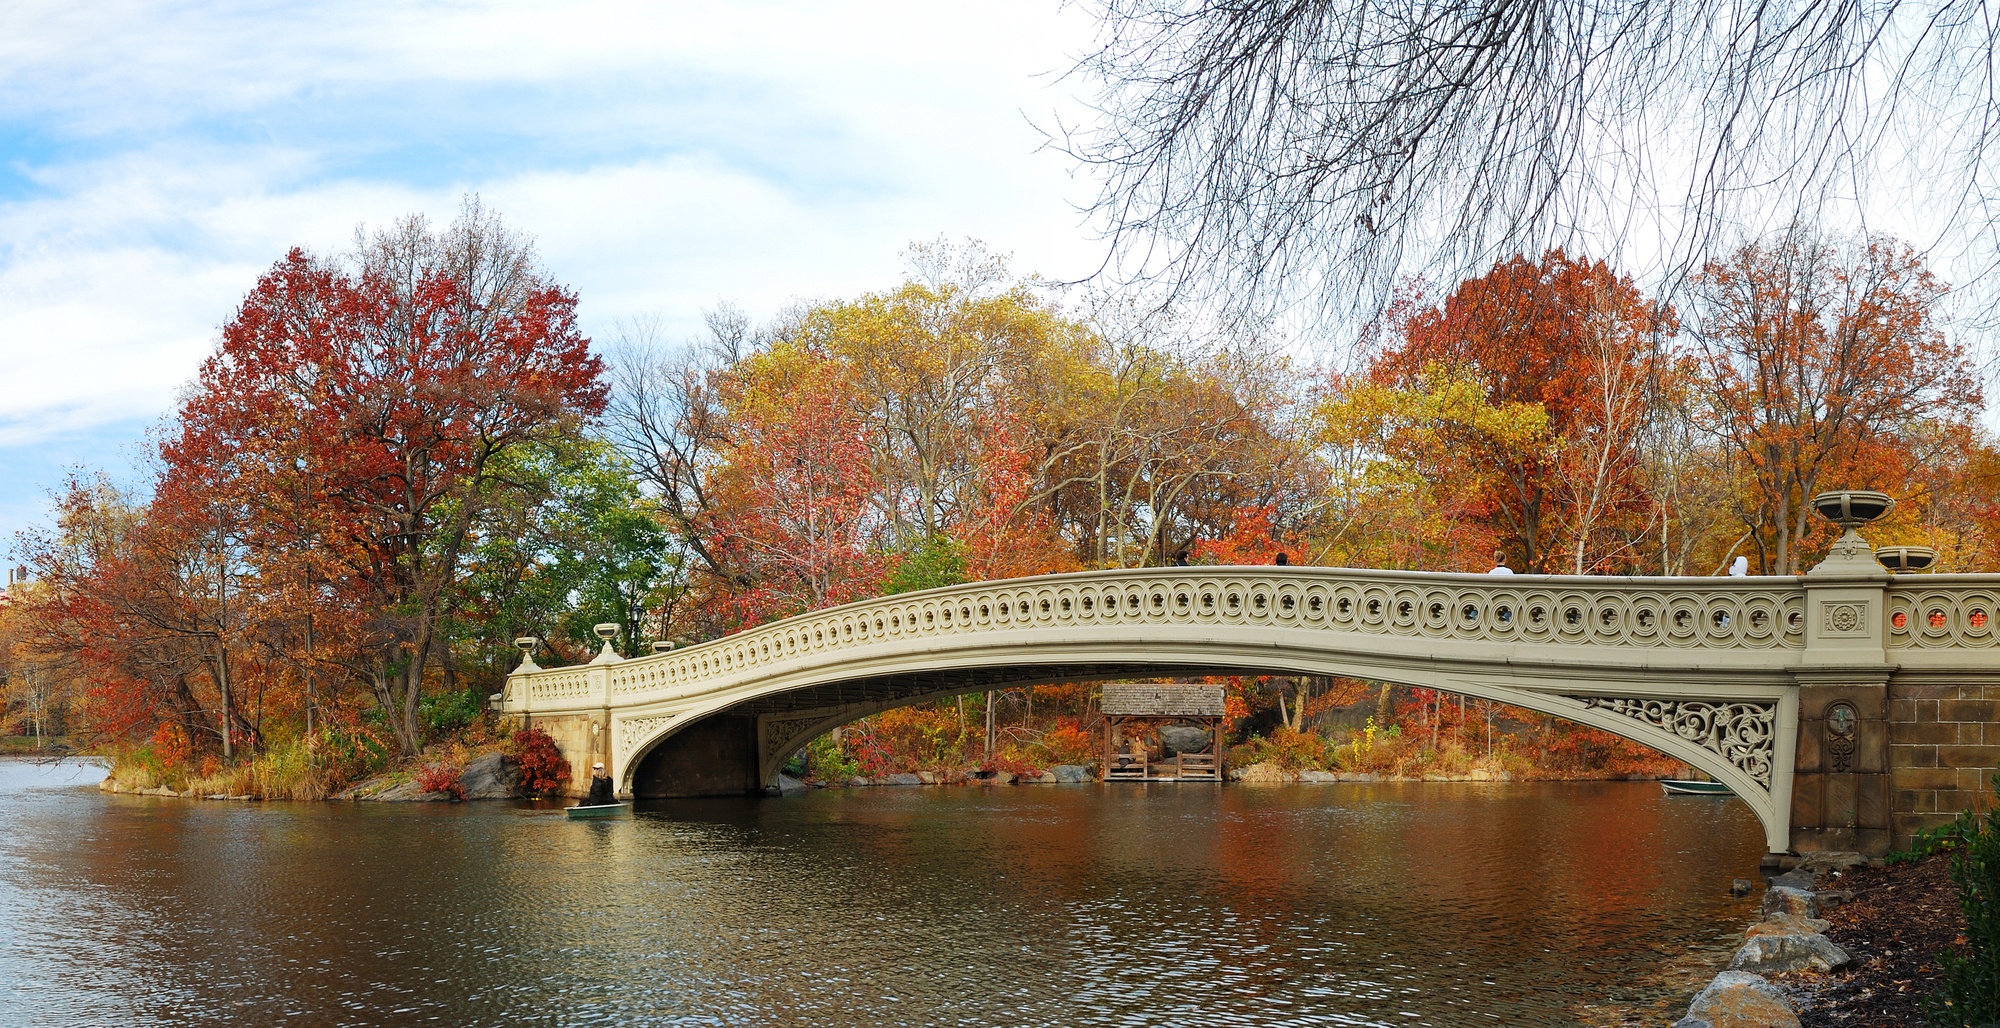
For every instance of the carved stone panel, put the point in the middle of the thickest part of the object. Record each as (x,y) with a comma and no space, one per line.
(1840,725)
(1743,733)
(1844,619)
(784,734)
(635,731)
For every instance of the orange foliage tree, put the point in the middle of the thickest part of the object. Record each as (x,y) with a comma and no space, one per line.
(1573,339)
(793,503)
(1828,365)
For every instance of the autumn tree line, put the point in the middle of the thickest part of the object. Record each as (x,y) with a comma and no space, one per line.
(401,457)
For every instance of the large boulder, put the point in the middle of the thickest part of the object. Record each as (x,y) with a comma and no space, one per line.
(1070,774)
(902,778)
(487,778)
(1739,1000)
(1261,773)
(1781,899)
(388,790)
(786,785)
(1183,739)
(1776,954)
(1318,776)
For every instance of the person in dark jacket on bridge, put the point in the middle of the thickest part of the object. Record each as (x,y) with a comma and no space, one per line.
(600,787)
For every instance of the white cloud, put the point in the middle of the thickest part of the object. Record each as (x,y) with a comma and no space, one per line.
(664,156)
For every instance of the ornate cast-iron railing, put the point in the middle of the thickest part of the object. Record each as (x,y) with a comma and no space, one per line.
(1645,613)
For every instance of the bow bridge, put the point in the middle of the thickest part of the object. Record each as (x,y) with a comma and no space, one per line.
(1847,707)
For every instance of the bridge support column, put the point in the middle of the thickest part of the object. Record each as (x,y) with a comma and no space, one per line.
(1840,781)
(1840,784)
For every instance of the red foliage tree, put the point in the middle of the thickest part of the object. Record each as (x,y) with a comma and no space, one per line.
(538,762)
(356,418)
(143,599)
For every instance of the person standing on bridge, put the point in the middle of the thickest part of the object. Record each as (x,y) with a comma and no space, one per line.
(1500,564)
(600,787)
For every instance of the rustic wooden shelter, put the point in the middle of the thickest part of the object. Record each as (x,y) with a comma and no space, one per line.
(1126,759)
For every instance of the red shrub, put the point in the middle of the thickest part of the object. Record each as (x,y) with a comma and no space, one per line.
(441,778)
(542,767)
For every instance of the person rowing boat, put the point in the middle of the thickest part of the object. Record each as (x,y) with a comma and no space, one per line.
(600,787)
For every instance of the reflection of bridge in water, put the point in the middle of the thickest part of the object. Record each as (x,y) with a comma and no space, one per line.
(1844,706)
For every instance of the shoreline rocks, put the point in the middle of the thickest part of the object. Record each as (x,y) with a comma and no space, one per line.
(1061,774)
(1737,999)
(1791,937)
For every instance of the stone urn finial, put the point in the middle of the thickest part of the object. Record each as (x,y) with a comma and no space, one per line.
(1850,509)
(526,644)
(1906,558)
(607,631)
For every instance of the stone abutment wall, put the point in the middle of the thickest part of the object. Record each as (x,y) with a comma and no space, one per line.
(1944,745)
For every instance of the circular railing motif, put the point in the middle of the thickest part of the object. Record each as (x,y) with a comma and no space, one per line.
(1929,616)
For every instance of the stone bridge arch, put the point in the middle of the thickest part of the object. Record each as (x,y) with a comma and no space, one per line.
(1696,668)
(1734,738)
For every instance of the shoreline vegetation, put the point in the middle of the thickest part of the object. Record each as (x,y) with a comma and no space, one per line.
(1288,730)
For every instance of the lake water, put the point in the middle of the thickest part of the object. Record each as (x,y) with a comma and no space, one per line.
(1130,905)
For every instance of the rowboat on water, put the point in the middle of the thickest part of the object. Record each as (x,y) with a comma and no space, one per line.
(600,810)
(1691,787)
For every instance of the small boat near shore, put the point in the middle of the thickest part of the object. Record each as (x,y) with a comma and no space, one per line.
(600,810)
(1692,787)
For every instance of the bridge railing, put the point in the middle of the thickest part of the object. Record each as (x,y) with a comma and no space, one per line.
(1942,612)
(1728,614)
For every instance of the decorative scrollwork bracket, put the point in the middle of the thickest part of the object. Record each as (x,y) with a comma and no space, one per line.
(1743,733)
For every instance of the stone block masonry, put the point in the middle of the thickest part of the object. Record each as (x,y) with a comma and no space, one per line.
(1944,747)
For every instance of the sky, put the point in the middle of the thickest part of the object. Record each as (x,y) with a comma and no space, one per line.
(156,157)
